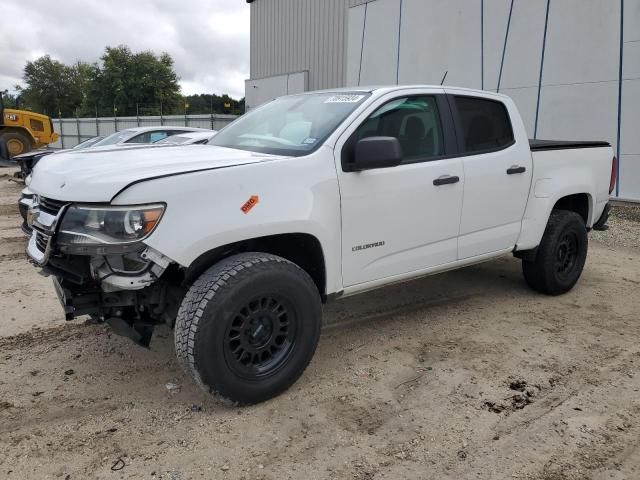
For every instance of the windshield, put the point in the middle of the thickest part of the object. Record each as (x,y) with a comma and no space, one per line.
(292,126)
(87,143)
(113,138)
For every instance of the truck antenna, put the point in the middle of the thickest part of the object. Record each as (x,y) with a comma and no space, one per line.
(445,76)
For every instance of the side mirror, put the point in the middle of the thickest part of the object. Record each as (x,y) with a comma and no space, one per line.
(376,152)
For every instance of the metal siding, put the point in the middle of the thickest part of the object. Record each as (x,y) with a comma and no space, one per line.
(437,37)
(380,53)
(354,43)
(290,36)
(578,88)
(630,114)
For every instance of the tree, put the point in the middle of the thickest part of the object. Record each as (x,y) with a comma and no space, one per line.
(53,87)
(212,103)
(11,100)
(142,82)
(126,79)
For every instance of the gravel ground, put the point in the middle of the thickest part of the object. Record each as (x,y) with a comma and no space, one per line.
(624,228)
(464,375)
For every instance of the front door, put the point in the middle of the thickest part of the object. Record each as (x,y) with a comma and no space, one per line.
(406,218)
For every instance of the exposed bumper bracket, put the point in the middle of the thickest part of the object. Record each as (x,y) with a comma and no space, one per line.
(76,305)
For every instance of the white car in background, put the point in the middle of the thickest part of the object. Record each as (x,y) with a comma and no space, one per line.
(189,138)
(137,137)
(130,137)
(144,135)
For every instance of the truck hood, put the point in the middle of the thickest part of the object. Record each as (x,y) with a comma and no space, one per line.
(97,176)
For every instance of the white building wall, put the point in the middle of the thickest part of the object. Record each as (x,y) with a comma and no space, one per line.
(380,44)
(491,44)
(630,132)
(293,36)
(499,44)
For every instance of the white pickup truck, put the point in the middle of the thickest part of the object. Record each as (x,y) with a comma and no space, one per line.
(304,200)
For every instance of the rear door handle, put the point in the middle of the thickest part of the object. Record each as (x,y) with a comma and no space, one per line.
(516,169)
(446,180)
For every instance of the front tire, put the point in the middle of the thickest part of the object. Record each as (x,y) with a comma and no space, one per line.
(17,143)
(561,255)
(248,327)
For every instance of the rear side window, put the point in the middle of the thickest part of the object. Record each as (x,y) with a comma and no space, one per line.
(485,124)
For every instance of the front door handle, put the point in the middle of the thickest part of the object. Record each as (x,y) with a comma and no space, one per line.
(516,169)
(446,180)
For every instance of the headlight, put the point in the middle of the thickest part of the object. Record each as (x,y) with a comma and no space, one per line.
(27,180)
(108,225)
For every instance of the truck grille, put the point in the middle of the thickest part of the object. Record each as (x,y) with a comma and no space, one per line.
(42,241)
(50,205)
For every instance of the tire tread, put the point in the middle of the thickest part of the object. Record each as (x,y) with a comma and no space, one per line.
(203,292)
(537,272)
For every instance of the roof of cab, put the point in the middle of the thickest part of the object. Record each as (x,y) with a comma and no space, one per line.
(391,88)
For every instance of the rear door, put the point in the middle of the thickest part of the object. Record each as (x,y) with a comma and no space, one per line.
(405,218)
(497,172)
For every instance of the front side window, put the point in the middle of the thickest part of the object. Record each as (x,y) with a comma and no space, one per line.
(414,121)
(485,124)
(157,136)
(293,126)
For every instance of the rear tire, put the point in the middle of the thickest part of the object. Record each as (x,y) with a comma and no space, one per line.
(561,255)
(248,327)
(16,142)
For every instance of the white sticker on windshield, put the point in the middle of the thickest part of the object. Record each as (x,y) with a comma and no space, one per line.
(309,141)
(344,99)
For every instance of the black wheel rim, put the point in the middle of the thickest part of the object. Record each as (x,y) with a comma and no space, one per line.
(260,337)
(566,255)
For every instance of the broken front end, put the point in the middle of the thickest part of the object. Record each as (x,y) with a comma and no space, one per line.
(101,266)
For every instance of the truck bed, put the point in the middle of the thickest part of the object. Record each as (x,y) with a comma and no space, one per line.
(539,145)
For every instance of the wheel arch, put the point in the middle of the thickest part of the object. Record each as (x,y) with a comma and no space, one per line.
(580,203)
(539,212)
(303,249)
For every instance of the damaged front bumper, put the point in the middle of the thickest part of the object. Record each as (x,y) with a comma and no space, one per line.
(118,284)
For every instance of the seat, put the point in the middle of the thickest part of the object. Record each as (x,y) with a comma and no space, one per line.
(413,139)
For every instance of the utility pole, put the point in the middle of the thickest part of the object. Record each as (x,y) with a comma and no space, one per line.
(78,127)
(61,130)
(211,111)
(97,122)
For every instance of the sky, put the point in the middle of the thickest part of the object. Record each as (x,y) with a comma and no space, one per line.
(208,39)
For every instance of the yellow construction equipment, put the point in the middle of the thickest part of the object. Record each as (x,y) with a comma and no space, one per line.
(23,131)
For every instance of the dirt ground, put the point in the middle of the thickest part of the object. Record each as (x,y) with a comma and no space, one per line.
(463,375)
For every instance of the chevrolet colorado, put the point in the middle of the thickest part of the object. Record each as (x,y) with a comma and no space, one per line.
(307,199)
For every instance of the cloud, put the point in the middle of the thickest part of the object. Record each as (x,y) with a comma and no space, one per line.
(208,39)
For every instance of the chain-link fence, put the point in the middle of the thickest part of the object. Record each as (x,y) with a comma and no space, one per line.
(72,131)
